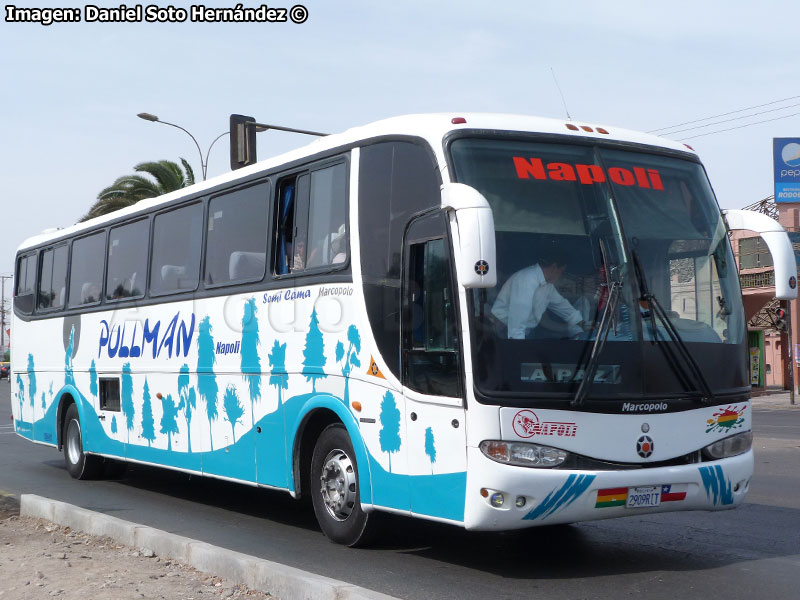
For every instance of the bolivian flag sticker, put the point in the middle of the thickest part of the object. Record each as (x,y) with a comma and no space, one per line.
(611,497)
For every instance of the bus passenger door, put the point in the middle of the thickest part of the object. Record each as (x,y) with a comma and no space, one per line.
(436,444)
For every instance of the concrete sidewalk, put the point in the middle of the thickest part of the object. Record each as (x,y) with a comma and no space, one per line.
(774,400)
(282,581)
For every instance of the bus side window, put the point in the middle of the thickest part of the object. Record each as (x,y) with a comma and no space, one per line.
(327,234)
(26,284)
(430,338)
(86,270)
(236,243)
(53,278)
(291,225)
(128,247)
(177,246)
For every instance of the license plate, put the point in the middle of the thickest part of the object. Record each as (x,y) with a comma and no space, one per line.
(645,496)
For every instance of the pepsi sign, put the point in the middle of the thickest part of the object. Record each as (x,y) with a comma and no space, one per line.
(786,159)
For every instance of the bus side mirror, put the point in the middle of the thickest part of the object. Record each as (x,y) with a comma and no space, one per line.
(476,260)
(243,141)
(774,235)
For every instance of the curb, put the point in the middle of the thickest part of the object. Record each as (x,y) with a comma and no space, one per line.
(287,583)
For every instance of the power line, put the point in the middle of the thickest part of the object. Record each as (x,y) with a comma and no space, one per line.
(733,112)
(738,127)
(763,112)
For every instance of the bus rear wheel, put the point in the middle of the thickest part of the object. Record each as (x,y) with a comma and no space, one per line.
(79,465)
(334,490)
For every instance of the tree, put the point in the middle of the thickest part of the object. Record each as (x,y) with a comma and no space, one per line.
(148,429)
(314,353)
(129,189)
(389,435)
(128,408)
(93,379)
(69,378)
(250,360)
(31,379)
(44,401)
(430,447)
(20,394)
(233,408)
(188,402)
(169,424)
(206,380)
(114,424)
(350,357)
(277,364)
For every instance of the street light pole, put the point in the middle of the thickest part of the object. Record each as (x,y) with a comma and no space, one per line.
(203,163)
(3,311)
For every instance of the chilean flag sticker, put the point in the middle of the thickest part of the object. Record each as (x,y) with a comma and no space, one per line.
(673,493)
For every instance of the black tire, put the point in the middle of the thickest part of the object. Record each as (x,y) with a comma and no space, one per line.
(335,493)
(79,465)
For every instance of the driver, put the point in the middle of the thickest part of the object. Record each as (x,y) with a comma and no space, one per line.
(528,293)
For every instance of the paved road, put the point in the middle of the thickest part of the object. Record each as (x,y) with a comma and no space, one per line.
(751,552)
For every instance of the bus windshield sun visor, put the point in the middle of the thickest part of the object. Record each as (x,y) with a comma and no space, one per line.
(688,367)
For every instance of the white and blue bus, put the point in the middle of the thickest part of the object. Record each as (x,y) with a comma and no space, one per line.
(492,321)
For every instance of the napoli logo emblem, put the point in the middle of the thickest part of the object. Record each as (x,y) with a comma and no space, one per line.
(645,446)
(791,154)
(792,282)
(525,423)
(481,267)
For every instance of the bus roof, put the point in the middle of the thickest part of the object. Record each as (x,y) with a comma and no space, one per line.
(432,127)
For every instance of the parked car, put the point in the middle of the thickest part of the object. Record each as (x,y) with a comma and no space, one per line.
(5,370)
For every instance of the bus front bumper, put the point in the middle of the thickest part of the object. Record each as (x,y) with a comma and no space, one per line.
(502,497)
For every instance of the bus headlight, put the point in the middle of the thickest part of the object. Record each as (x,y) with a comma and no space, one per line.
(730,446)
(523,454)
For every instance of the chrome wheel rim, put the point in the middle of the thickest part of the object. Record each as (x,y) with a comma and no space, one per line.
(74,441)
(338,485)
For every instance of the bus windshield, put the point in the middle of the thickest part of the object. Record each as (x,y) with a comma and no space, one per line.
(574,222)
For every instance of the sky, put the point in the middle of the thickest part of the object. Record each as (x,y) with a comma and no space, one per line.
(70,92)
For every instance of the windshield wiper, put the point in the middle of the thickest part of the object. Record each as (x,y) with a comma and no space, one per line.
(606,319)
(599,341)
(656,309)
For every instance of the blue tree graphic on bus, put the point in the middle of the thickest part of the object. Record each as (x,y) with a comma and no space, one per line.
(148,425)
(350,357)
(20,394)
(277,364)
(69,379)
(126,392)
(50,391)
(44,400)
(169,423)
(206,379)
(31,379)
(430,446)
(233,408)
(93,379)
(188,402)
(314,353)
(114,424)
(251,361)
(389,435)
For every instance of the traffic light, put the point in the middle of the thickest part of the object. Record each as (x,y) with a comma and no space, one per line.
(780,319)
(243,141)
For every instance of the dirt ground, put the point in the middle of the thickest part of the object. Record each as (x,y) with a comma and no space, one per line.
(39,559)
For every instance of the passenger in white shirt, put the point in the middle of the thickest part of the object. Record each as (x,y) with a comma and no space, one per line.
(528,293)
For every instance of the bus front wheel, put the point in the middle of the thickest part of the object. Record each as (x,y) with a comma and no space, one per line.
(79,465)
(335,492)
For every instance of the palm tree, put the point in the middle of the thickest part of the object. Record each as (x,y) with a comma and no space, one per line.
(129,189)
